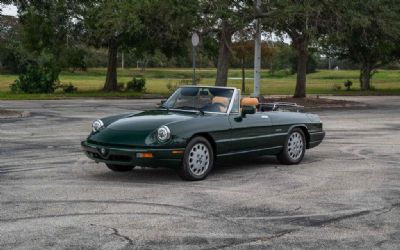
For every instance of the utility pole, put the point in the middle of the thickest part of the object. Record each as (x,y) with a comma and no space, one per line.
(257,53)
(195,42)
(329,63)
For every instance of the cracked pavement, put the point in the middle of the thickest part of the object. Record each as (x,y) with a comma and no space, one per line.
(345,194)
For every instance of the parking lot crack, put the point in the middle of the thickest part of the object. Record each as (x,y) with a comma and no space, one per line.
(257,240)
(316,222)
(389,209)
(117,233)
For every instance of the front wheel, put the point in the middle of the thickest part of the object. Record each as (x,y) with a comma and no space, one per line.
(120,168)
(294,148)
(198,160)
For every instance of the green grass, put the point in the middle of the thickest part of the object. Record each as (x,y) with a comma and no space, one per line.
(386,82)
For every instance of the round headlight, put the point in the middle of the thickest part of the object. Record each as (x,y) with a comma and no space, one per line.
(163,133)
(97,126)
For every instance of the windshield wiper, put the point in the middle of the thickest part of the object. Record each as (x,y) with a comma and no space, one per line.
(190,108)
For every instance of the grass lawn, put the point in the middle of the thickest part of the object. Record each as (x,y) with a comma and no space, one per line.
(386,82)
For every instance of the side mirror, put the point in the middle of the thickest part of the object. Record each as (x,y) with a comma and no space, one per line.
(248,110)
(161,104)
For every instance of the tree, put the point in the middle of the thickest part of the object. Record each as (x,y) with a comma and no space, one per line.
(9,44)
(303,21)
(110,23)
(243,50)
(221,19)
(368,34)
(50,27)
(139,25)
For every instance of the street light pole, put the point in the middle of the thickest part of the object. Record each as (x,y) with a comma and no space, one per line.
(195,42)
(194,66)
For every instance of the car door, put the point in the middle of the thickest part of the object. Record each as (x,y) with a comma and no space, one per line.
(251,132)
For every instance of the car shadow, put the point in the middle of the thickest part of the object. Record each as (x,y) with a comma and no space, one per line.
(169,176)
(139,175)
(242,164)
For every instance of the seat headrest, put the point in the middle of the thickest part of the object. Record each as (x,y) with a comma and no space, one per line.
(221,99)
(249,101)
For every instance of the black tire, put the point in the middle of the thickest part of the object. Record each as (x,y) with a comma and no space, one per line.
(294,148)
(196,166)
(120,168)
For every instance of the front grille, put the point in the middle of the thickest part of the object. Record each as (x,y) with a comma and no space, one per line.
(120,158)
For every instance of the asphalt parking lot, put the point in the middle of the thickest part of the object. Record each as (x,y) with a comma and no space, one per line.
(345,194)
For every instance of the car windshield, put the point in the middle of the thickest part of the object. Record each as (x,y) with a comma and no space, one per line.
(206,99)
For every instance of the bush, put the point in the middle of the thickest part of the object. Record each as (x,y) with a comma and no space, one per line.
(336,86)
(38,76)
(348,84)
(36,80)
(136,85)
(69,88)
(121,86)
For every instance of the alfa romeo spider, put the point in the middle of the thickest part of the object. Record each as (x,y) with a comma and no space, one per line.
(198,126)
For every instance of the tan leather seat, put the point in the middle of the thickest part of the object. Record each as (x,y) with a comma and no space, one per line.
(222,100)
(249,101)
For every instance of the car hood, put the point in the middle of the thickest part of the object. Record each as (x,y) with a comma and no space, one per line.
(149,120)
(134,129)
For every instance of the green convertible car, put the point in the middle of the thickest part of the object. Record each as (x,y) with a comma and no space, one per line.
(199,125)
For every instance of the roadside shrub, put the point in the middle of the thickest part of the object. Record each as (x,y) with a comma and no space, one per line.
(336,86)
(36,80)
(121,86)
(136,85)
(69,88)
(38,76)
(348,85)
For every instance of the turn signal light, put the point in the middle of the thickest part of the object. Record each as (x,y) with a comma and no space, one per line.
(144,155)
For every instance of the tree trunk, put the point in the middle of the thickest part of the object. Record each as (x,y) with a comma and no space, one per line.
(111,79)
(365,77)
(224,54)
(302,57)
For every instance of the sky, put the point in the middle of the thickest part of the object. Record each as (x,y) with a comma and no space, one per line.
(9,10)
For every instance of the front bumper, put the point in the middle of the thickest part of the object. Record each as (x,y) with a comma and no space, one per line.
(316,138)
(171,158)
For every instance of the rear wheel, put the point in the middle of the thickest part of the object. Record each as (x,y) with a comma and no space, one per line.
(198,160)
(120,168)
(294,148)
